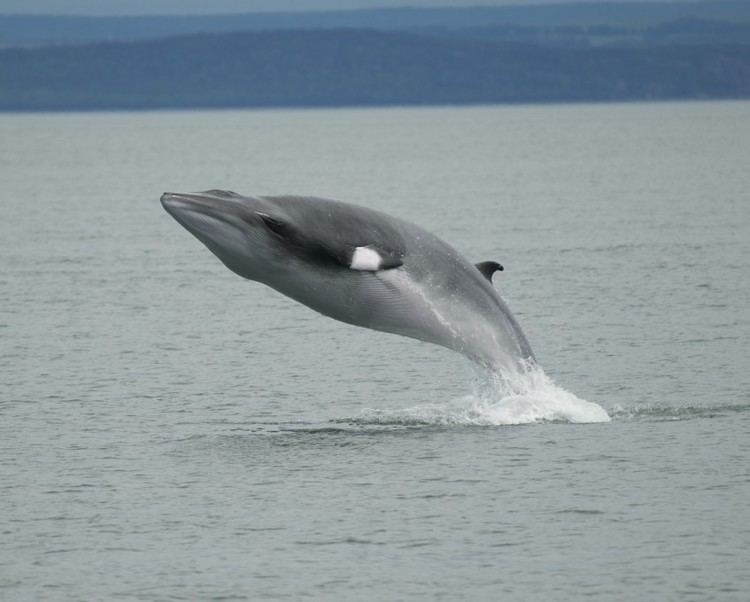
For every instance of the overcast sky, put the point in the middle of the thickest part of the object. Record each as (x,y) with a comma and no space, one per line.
(151,7)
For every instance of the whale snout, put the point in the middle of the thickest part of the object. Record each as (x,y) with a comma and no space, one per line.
(209,201)
(179,204)
(170,202)
(173,201)
(201,214)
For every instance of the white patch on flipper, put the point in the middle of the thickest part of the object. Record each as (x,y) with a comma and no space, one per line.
(366,259)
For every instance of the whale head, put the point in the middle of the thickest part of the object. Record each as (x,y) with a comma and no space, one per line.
(245,233)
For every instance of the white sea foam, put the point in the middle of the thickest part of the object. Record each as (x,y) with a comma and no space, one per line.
(524,398)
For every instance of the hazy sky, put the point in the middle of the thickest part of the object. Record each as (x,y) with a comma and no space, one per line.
(143,7)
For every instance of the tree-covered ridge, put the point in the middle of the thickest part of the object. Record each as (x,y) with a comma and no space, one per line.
(357,67)
(633,20)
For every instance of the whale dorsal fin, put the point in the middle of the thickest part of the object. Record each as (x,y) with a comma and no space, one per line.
(488,268)
(370,258)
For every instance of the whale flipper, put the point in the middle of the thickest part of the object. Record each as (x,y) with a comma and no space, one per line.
(343,243)
(370,258)
(488,268)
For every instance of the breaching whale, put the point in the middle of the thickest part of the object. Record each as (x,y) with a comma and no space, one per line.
(359,266)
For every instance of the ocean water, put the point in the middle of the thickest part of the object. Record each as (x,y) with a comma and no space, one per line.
(169,431)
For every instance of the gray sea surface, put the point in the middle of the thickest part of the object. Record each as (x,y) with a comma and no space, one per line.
(169,431)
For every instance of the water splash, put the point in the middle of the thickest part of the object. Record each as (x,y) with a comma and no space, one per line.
(525,397)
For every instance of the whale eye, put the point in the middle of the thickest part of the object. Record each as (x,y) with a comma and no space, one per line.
(273,224)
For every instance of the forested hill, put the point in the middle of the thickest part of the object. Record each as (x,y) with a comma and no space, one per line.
(560,22)
(357,67)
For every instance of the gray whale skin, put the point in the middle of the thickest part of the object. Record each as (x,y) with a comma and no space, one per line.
(359,266)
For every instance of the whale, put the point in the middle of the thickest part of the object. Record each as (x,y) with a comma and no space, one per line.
(360,266)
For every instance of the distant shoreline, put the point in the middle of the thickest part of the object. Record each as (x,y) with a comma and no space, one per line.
(290,108)
(29,29)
